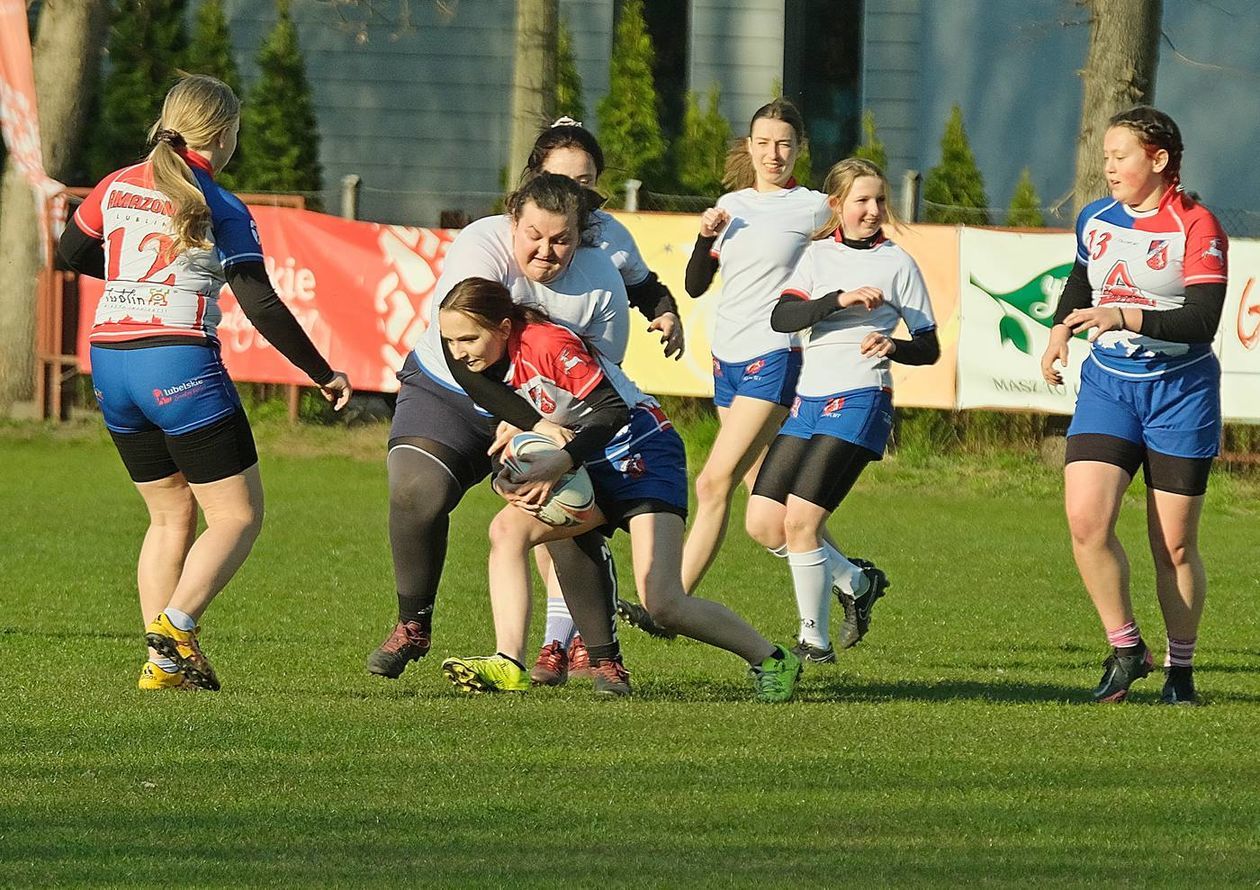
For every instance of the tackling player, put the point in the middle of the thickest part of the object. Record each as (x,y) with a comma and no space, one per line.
(503,354)
(543,251)
(567,148)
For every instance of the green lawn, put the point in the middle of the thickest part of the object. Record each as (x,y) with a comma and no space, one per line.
(951,746)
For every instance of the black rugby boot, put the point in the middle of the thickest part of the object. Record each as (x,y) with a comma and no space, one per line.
(1119,673)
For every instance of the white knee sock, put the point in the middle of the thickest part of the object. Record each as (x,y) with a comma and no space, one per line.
(559,622)
(844,574)
(780,552)
(811,577)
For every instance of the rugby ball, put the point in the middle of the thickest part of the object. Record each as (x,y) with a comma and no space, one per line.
(573,498)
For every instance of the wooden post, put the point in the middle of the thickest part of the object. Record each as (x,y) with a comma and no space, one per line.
(910,182)
(351,184)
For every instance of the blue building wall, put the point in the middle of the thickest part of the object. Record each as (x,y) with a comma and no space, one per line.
(1012,65)
(422,113)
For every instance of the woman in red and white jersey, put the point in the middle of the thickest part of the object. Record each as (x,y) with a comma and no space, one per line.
(1149,286)
(171,239)
(519,367)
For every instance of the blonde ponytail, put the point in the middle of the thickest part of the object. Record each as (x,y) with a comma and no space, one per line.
(198,111)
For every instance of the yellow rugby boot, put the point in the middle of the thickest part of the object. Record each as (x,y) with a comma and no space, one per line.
(488,673)
(180,646)
(153,677)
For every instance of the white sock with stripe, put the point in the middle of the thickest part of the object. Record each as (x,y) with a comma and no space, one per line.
(559,622)
(181,620)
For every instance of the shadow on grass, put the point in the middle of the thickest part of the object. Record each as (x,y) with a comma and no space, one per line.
(1013,692)
(61,634)
(941,690)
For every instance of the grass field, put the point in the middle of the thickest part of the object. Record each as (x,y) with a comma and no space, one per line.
(952,746)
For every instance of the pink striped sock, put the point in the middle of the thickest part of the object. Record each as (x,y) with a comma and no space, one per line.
(1124,637)
(1180,653)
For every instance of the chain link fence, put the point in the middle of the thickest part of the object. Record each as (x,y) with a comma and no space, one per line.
(1238,223)
(450,209)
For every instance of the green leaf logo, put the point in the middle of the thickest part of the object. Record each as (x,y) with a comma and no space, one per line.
(1011,330)
(1034,299)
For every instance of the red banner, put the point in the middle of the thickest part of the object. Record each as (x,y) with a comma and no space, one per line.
(19,116)
(361,291)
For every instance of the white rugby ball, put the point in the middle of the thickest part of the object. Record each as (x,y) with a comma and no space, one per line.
(573,498)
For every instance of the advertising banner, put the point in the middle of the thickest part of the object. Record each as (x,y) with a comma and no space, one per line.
(1238,339)
(1010,283)
(359,289)
(666,241)
(19,116)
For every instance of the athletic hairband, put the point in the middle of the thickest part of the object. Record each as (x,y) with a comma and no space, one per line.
(171,138)
(566,121)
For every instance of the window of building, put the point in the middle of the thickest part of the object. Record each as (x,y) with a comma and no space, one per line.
(667,25)
(822,71)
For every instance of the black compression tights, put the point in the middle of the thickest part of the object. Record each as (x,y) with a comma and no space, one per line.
(588,580)
(426,482)
(820,470)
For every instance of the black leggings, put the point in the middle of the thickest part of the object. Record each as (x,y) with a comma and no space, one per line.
(820,470)
(1162,472)
(427,480)
(588,580)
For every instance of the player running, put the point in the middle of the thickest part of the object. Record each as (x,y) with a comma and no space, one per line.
(172,237)
(637,464)
(1149,286)
(850,290)
(754,235)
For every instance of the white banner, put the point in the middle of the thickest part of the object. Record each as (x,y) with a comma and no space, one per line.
(1238,340)
(1009,284)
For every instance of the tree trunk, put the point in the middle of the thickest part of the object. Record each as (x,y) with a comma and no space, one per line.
(533,77)
(67,50)
(1119,73)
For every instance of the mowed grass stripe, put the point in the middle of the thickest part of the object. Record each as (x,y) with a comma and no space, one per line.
(950,746)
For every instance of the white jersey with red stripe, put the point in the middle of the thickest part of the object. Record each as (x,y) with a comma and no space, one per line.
(589,296)
(1145,261)
(148,292)
(756,252)
(833,360)
(554,370)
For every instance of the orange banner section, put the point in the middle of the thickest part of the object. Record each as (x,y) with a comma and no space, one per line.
(19,115)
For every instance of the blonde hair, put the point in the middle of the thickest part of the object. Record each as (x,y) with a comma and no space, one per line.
(839,183)
(739,172)
(197,111)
